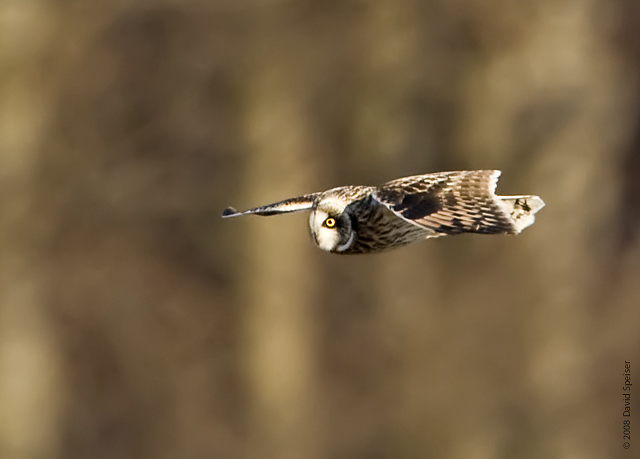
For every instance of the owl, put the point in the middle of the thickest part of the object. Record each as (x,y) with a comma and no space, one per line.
(367,219)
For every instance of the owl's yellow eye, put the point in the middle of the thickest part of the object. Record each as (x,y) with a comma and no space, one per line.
(330,222)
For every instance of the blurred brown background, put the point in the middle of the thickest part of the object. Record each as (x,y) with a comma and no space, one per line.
(136,323)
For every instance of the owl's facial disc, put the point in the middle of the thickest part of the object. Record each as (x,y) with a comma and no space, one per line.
(331,232)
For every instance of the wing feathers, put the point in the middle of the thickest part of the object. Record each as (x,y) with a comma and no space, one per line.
(457,202)
(282,207)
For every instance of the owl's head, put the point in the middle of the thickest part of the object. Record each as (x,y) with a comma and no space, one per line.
(332,227)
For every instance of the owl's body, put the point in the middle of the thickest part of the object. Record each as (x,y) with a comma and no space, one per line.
(365,219)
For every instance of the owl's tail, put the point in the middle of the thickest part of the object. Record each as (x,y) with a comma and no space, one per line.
(522,209)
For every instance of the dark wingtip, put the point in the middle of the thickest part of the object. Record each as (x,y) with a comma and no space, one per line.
(229,212)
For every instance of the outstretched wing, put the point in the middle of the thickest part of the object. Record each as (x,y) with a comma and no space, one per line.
(296,204)
(449,202)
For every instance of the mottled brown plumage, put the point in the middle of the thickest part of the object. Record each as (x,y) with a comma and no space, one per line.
(364,219)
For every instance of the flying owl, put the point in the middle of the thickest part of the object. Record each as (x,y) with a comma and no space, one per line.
(366,219)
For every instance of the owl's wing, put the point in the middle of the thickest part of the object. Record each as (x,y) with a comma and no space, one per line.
(449,202)
(296,204)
